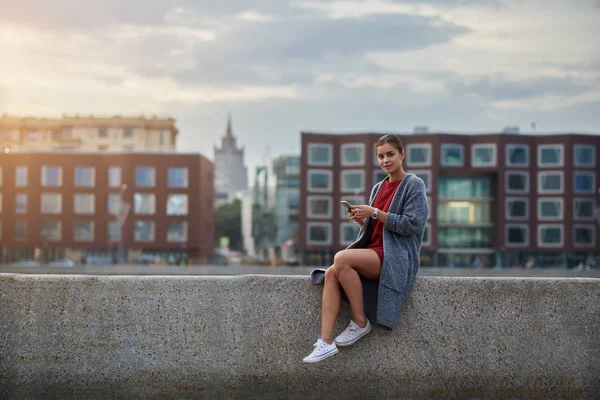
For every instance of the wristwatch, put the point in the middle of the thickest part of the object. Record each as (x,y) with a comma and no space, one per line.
(375,214)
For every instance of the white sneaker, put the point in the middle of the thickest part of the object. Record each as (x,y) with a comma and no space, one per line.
(322,351)
(352,333)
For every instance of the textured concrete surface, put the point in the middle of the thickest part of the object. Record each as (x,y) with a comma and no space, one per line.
(244,337)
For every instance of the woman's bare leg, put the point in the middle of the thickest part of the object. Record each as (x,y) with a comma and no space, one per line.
(330,307)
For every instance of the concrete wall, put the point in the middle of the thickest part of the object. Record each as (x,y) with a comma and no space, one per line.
(244,337)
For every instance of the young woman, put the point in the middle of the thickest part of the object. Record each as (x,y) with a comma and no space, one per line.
(386,250)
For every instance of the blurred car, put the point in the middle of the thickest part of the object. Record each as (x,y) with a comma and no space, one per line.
(292,261)
(28,263)
(63,262)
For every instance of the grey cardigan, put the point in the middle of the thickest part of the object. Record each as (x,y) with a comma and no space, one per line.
(402,235)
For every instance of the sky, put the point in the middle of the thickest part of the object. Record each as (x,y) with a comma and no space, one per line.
(281,67)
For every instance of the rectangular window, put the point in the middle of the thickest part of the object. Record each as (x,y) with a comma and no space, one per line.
(584,155)
(51,231)
(21,176)
(128,133)
(177,231)
(84,231)
(51,203)
(517,182)
(32,135)
(353,154)
(20,232)
(319,180)
(103,132)
(517,235)
(427,236)
(113,231)
(113,204)
(144,231)
(584,235)
(418,155)
(318,233)
(452,155)
(177,204)
(517,155)
(517,209)
(550,208)
(85,176)
(550,155)
(320,154)
(145,176)
(550,235)
(584,182)
(583,209)
(348,232)
(353,181)
(318,207)
(114,177)
(465,188)
(84,204)
(425,175)
(465,237)
(20,203)
(353,200)
(464,212)
(550,182)
(51,176)
(378,176)
(178,177)
(483,155)
(144,203)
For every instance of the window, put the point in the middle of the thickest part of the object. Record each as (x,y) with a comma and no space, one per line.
(550,155)
(583,209)
(177,231)
(465,188)
(517,182)
(353,200)
(51,203)
(517,235)
(113,204)
(320,154)
(584,155)
(85,176)
(145,176)
(128,133)
(20,232)
(452,155)
(318,207)
(161,138)
(144,231)
(425,175)
(483,155)
(418,155)
(103,132)
(517,155)
(32,135)
(517,209)
(427,236)
(464,212)
(550,182)
(51,176)
(348,232)
(144,203)
(550,208)
(84,204)
(21,176)
(318,233)
(51,231)
(114,177)
(550,235)
(84,231)
(584,235)
(113,231)
(20,203)
(430,209)
(353,154)
(465,237)
(178,177)
(584,182)
(378,176)
(319,180)
(177,204)
(353,181)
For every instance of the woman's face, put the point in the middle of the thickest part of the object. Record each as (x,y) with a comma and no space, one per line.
(390,159)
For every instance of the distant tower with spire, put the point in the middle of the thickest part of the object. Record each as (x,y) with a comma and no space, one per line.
(231,175)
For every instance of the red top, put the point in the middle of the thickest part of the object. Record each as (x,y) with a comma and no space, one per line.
(382,202)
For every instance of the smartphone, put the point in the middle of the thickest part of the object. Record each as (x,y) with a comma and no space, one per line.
(347,205)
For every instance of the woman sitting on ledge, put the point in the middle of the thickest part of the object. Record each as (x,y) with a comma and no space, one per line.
(386,250)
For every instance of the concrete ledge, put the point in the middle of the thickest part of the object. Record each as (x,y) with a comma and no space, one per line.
(244,337)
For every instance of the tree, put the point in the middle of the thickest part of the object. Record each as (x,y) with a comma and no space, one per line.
(228,222)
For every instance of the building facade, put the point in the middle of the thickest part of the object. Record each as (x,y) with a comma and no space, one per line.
(286,170)
(231,175)
(495,199)
(106,207)
(88,134)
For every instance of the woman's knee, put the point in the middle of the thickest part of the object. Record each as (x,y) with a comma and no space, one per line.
(330,274)
(341,259)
